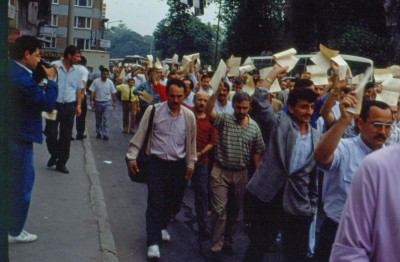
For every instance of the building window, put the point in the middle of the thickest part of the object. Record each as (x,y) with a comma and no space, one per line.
(82,43)
(54,2)
(52,42)
(83,22)
(85,3)
(54,20)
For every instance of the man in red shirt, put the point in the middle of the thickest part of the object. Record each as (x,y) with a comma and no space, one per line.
(206,138)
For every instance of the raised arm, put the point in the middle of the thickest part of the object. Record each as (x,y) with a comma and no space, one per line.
(323,153)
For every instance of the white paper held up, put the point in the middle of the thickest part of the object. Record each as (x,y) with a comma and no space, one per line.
(286,58)
(382,74)
(360,92)
(218,75)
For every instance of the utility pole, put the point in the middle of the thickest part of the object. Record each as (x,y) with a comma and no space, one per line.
(71,19)
(217,40)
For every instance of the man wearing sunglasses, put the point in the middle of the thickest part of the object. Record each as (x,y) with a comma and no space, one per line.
(340,158)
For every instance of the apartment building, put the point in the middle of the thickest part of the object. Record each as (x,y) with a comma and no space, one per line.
(89,18)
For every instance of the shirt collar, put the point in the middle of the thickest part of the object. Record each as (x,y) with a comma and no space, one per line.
(362,145)
(169,110)
(298,129)
(24,67)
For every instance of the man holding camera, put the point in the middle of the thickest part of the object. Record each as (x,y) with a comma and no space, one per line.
(30,100)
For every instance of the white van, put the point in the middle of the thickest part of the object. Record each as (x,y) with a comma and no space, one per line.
(358,64)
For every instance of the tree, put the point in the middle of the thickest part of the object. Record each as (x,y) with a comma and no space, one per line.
(127,42)
(183,33)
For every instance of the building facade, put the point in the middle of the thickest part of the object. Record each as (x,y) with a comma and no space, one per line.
(88,24)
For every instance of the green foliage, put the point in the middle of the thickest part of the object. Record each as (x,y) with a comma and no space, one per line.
(127,42)
(357,40)
(183,33)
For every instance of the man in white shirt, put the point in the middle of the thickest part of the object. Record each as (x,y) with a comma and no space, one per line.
(103,98)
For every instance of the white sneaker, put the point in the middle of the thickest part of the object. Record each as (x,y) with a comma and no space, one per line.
(153,252)
(165,235)
(24,237)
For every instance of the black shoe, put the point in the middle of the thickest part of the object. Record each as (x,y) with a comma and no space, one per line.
(80,137)
(52,161)
(228,250)
(72,138)
(216,256)
(62,169)
(98,136)
(105,137)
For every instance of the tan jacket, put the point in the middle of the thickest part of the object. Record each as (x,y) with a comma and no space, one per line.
(137,140)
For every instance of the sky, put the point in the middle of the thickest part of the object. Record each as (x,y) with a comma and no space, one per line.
(142,16)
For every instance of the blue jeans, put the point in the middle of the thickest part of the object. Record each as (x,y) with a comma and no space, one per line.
(166,185)
(102,112)
(21,179)
(200,186)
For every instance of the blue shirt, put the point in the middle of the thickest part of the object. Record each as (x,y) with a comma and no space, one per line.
(146,87)
(338,175)
(302,149)
(224,109)
(68,83)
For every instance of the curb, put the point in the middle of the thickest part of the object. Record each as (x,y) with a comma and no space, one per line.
(99,208)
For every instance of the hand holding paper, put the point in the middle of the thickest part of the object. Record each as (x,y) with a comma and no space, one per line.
(356,109)
(286,58)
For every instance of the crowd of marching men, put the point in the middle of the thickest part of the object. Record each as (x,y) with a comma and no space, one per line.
(316,129)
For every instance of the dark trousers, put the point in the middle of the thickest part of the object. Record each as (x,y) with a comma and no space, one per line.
(266,223)
(81,120)
(200,186)
(166,185)
(21,179)
(58,133)
(325,241)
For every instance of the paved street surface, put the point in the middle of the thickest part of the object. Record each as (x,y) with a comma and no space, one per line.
(126,205)
(96,213)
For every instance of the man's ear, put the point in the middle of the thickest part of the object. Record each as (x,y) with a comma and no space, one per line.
(26,54)
(359,123)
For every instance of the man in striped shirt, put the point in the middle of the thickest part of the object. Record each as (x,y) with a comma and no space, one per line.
(239,142)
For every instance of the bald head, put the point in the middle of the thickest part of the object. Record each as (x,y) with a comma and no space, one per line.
(200,100)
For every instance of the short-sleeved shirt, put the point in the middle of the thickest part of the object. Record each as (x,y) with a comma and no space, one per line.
(102,89)
(338,175)
(236,144)
(68,82)
(83,72)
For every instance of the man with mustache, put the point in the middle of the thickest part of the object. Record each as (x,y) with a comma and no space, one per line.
(222,104)
(239,142)
(340,158)
(172,150)
(283,189)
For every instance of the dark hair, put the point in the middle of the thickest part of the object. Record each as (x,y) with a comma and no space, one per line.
(345,89)
(71,50)
(22,44)
(131,79)
(152,70)
(301,93)
(240,97)
(205,76)
(303,83)
(83,61)
(104,69)
(176,82)
(367,104)
(369,85)
(191,82)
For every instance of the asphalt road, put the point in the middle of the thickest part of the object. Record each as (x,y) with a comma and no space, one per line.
(126,205)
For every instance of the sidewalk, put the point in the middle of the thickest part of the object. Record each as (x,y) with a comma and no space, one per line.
(67,212)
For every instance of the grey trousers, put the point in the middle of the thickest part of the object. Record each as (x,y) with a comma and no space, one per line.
(103,112)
